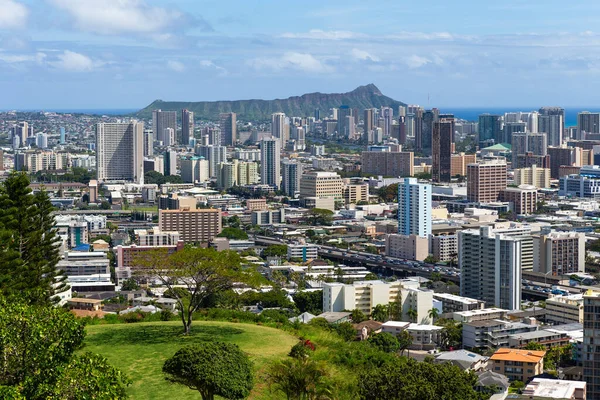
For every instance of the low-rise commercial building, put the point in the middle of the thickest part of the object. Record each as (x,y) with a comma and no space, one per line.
(409,247)
(452,303)
(564,309)
(518,365)
(303,252)
(268,217)
(554,389)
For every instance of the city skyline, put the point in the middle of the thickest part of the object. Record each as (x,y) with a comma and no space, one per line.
(80,54)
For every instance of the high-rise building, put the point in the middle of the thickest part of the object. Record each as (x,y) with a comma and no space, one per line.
(510,128)
(228,175)
(414,208)
(170,162)
(386,163)
(214,155)
(270,155)
(63,135)
(194,169)
(1,160)
(441,151)
(280,126)
(551,120)
(585,184)
(342,121)
(161,120)
(292,172)
(228,125)
(534,175)
(559,253)
(41,140)
(428,119)
(523,143)
(388,120)
(367,124)
(591,349)
(490,266)
(321,184)
(587,122)
(486,180)
(523,198)
(194,225)
(560,156)
(187,126)
(459,162)
(148,142)
(22,132)
(120,151)
(169,138)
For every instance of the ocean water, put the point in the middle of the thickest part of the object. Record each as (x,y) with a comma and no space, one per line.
(472,114)
(89,111)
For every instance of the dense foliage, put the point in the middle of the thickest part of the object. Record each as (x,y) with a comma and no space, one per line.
(309,301)
(154,177)
(233,233)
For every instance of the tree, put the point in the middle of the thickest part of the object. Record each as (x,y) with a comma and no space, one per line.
(371,277)
(408,379)
(430,260)
(319,216)
(412,314)
(380,313)
(358,316)
(405,339)
(105,205)
(301,379)
(535,346)
(30,243)
(451,335)
(389,193)
(385,342)
(213,369)
(311,302)
(37,349)
(130,284)
(233,233)
(204,272)
(433,313)
(275,250)
(345,330)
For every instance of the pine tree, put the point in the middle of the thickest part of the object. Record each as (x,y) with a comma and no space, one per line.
(28,261)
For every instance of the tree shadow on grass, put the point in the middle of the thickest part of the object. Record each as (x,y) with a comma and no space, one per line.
(134,334)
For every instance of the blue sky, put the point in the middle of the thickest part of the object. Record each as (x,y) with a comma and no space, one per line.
(126,53)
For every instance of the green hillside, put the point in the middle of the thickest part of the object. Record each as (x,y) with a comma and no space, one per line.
(260,110)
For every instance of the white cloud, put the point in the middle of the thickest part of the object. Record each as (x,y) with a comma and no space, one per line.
(209,64)
(38,57)
(297,61)
(75,62)
(416,61)
(176,66)
(113,17)
(323,35)
(13,15)
(363,55)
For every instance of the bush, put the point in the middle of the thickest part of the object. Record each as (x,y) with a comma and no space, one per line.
(166,315)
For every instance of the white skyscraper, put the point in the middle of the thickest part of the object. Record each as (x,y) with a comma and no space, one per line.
(120,151)
(41,140)
(414,208)
(280,127)
(215,155)
(490,265)
(388,120)
(148,142)
(292,172)
(270,155)
(162,120)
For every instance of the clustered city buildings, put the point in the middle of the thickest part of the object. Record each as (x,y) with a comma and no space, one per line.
(503,206)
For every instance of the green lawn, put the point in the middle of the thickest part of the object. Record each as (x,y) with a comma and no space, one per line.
(140,350)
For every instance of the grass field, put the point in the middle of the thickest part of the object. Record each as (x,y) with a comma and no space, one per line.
(140,350)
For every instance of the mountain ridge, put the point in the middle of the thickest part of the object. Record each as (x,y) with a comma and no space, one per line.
(366,96)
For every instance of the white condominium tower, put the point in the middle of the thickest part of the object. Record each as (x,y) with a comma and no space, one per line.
(161,120)
(270,153)
(120,151)
(414,208)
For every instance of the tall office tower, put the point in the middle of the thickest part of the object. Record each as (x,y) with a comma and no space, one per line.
(559,253)
(561,156)
(187,126)
(441,151)
(120,151)
(300,138)
(228,125)
(214,136)
(41,140)
(317,114)
(551,120)
(524,143)
(401,111)
(169,137)
(587,122)
(388,120)
(63,135)
(367,124)
(414,208)
(490,267)
(591,349)
(292,172)
(214,155)
(162,120)
(334,113)
(247,173)
(532,121)
(489,130)
(486,180)
(194,169)
(21,131)
(270,156)
(227,176)
(429,118)
(510,128)
(148,142)
(279,127)
(342,121)
(170,162)
(350,127)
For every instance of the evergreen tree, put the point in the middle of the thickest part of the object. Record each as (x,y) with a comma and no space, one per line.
(28,260)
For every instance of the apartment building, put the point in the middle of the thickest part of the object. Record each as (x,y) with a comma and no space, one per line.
(321,184)
(534,176)
(564,309)
(517,365)
(256,204)
(194,226)
(492,333)
(409,247)
(452,303)
(444,247)
(156,237)
(486,180)
(303,252)
(355,192)
(559,253)
(591,338)
(459,163)
(523,198)
(387,163)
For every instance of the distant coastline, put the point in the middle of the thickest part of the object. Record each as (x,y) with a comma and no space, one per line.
(89,111)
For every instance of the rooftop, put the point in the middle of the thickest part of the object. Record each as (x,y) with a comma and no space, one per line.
(505,354)
(552,388)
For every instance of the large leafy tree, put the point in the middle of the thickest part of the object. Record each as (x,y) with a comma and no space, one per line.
(37,356)
(380,313)
(213,369)
(30,244)
(385,341)
(311,302)
(202,273)
(319,216)
(410,380)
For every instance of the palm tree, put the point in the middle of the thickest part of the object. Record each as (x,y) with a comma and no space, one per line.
(412,314)
(433,314)
(301,379)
